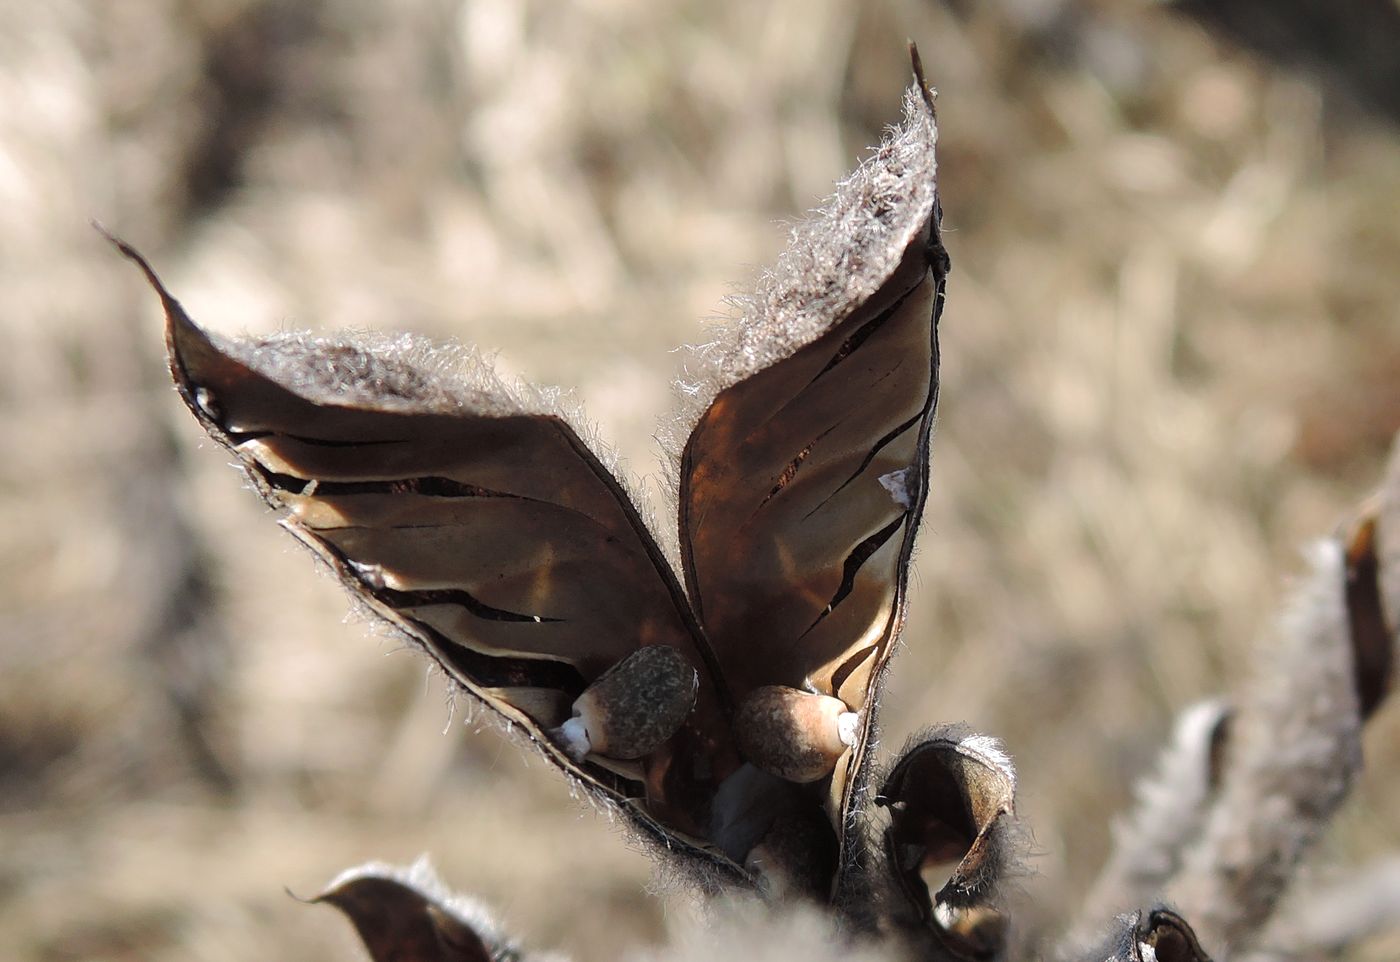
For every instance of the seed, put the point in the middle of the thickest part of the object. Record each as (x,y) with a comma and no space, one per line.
(633,707)
(797,735)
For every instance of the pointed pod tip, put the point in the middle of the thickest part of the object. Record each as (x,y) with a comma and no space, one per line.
(135,256)
(190,350)
(179,325)
(314,900)
(917,63)
(1372,645)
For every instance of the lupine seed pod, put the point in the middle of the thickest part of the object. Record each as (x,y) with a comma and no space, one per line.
(476,517)
(951,799)
(407,915)
(1173,801)
(1165,936)
(793,734)
(1153,935)
(633,707)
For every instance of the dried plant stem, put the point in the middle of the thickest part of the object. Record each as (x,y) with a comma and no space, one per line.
(1294,752)
(1173,802)
(1330,918)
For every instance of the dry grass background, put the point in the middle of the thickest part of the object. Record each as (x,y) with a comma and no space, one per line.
(1171,355)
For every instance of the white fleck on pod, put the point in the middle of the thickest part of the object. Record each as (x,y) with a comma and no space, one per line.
(633,707)
(796,735)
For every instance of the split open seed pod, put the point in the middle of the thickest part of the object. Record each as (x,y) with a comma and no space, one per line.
(951,802)
(1163,936)
(407,915)
(480,521)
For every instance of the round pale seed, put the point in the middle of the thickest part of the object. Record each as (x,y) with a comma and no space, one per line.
(797,735)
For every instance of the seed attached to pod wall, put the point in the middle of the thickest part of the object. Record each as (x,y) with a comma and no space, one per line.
(794,734)
(633,707)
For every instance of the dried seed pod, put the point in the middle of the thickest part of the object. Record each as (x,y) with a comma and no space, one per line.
(796,735)
(1173,803)
(633,707)
(477,519)
(952,840)
(1166,937)
(407,914)
(951,797)
(1146,935)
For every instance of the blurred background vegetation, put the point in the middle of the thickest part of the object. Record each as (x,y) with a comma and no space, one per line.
(1171,356)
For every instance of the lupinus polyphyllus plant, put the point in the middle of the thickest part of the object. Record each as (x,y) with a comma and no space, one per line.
(720,691)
